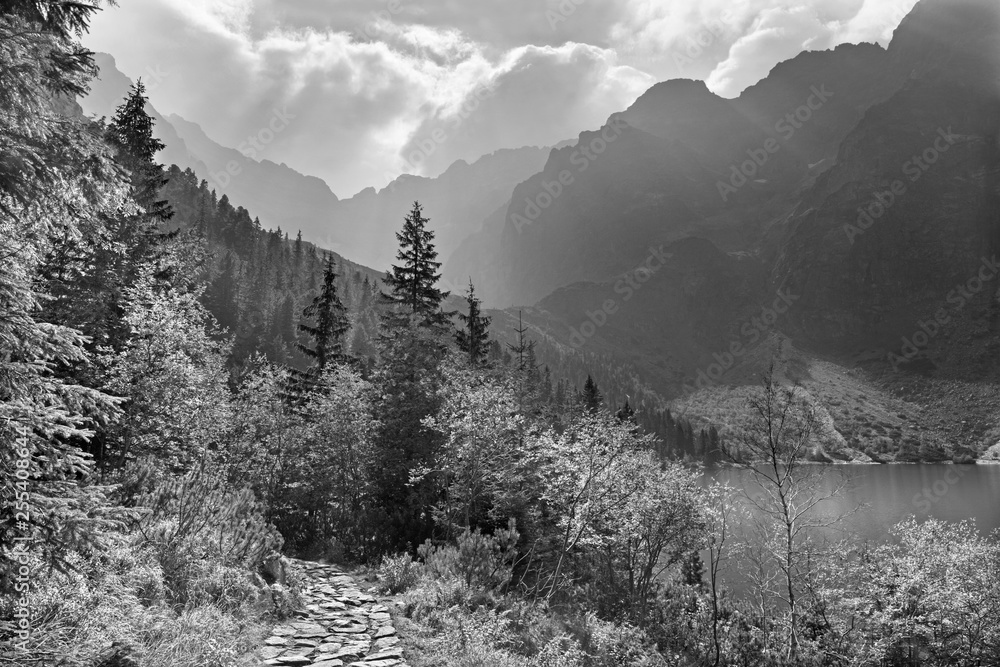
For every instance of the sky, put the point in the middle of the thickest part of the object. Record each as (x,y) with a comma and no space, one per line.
(361,91)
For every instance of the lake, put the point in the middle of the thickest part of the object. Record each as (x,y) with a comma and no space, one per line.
(887,494)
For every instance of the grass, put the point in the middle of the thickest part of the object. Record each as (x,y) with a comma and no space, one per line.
(120,599)
(445,622)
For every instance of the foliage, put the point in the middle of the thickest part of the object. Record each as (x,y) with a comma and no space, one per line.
(929,597)
(476,560)
(412,283)
(473,336)
(171,373)
(397,574)
(331,323)
(199,510)
(54,176)
(484,470)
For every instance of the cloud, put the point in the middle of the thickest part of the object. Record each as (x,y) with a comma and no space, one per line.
(733,44)
(535,96)
(371,81)
(359,105)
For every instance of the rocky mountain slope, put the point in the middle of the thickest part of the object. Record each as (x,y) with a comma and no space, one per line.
(858,189)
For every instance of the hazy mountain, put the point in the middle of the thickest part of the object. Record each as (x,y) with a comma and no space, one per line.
(758,199)
(278,195)
(362,227)
(456,202)
(107,91)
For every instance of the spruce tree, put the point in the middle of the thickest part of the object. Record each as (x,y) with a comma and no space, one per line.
(131,130)
(524,348)
(473,339)
(411,348)
(331,324)
(412,292)
(592,398)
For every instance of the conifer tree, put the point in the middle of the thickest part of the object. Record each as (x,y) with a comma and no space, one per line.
(330,318)
(524,348)
(412,291)
(131,130)
(592,398)
(473,339)
(625,412)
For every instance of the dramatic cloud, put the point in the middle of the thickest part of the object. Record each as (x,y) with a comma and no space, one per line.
(379,87)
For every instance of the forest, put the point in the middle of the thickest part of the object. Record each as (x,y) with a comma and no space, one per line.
(185,397)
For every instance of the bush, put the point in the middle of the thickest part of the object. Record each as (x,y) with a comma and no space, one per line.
(477,560)
(198,512)
(397,574)
(118,602)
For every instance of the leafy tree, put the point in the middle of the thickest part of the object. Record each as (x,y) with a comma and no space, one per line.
(335,467)
(772,444)
(929,597)
(172,374)
(482,468)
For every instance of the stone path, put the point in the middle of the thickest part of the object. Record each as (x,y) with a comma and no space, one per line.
(340,626)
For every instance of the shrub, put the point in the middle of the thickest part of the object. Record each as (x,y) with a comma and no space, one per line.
(477,560)
(199,508)
(116,602)
(397,574)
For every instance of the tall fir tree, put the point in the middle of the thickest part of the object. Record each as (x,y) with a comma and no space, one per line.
(473,338)
(412,282)
(592,398)
(330,317)
(131,130)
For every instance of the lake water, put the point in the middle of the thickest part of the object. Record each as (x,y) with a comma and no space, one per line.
(887,494)
(875,497)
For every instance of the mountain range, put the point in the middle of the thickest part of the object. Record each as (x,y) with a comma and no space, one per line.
(839,219)
(361,227)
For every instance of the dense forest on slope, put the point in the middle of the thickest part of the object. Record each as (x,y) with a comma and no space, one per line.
(185,396)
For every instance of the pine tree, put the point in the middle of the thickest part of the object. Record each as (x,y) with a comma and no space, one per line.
(474,338)
(524,346)
(412,291)
(56,181)
(131,130)
(592,398)
(330,323)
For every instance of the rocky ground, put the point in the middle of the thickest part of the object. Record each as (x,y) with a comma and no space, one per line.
(339,626)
